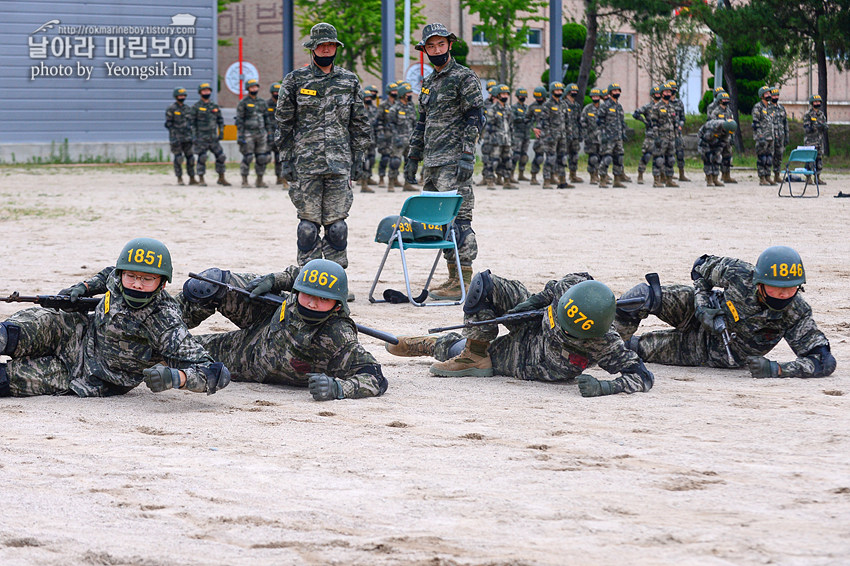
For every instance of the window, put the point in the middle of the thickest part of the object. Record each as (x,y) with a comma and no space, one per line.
(535,38)
(478,37)
(621,41)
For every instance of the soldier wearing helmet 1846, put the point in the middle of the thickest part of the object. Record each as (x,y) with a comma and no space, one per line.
(573,333)
(759,305)
(450,121)
(180,136)
(136,333)
(324,135)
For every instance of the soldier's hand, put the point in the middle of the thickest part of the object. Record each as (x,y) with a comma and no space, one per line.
(240,140)
(75,292)
(527,305)
(465,166)
(261,285)
(760,367)
(537,132)
(324,387)
(218,377)
(589,386)
(707,317)
(410,168)
(159,378)
(287,171)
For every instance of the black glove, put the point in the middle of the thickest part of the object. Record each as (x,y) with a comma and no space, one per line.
(261,285)
(356,166)
(287,171)
(707,317)
(529,304)
(324,387)
(218,377)
(240,139)
(760,366)
(75,292)
(410,170)
(465,165)
(159,378)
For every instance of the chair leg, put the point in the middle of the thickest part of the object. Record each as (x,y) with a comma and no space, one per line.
(372,299)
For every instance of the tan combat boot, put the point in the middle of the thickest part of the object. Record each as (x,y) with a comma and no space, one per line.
(574,178)
(682,174)
(279,180)
(371,180)
(625,178)
(491,185)
(192,180)
(467,363)
(618,182)
(222,181)
(408,188)
(453,293)
(259,183)
(727,178)
(285,184)
(658,181)
(499,180)
(563,184)
(640,178)
(392,182)
(180,180)
(534,180)
(709,180)
(364,187)
(201,181)
(522,176)
(451,281)
(776,179)
(245,182)
(547,183)
(762,181)
(670,182)
(412,346)
(509,186)
(381,181)
(594,178)
(603,181)
(717,182)
(820,181)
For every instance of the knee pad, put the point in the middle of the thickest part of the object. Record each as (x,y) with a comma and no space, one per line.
(263,158)
(385,160)
(204,292)
(308,235)
(768,160)
(523,159)
(651,299)
(337,235)
(178,158)
(5,391)
(539,158)
(247,158)
(607,160)
(395,162)
(618,160)
(478,295)
(9,336)
(462,228)
(220,158)
(457,348)
(593,161)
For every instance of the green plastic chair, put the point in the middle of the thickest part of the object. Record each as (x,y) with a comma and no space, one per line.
(806,158)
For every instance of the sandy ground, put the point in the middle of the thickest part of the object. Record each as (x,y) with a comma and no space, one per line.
(711,467)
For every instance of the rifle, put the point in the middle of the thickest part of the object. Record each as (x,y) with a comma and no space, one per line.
(720,327)
(63,302)
(278,300)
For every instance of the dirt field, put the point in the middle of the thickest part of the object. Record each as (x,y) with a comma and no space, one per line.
(711,467)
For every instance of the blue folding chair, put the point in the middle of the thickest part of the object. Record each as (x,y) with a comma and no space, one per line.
(806,158)
(430,208)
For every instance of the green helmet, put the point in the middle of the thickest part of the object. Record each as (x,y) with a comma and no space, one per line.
(252,82)
(540,92)
(718,90)
(587,309)
(202,86)
(521,93)
(373,89)
(388,224)
(179,91)
(494,91)
(504,89)
(655,92)
(595,92)
(557,85)
(572,87)
(779,266)
(730,125)
(147,256)
(403,90)
(490,84)
(774,91)
(604,92)
(423,232)
(323,278)
(762,90)
(721,97)
(815,98)
(274,88)
(615,86)
(673,85)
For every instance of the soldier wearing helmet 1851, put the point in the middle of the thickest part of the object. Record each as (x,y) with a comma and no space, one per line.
(252,134)
(763,135)
(136,333)
(450,121)
(573,334)
(324,135)
(760,305)
(179,128)
(712,137)
(309,341)
(814,127)
(207,131)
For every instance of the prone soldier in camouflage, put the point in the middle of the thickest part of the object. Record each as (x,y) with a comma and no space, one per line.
(574,333)
(642,115)
(720,111)
(763,134)
(180,136)
(450,121)
(499,127)
(252,134)
(207,131)
(370,95)
(713,136)
(814,128)
(133,331)
(780,132)
(536,122)
(308,341)
(590,128)
(662,118)
(400,123)
(760,306)
(383,137)
(572,108)
(271,125)
(612,133)
(519,133)
(324,135)
(679,107)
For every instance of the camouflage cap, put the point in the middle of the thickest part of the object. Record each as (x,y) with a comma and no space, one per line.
(434,29)
(322,33)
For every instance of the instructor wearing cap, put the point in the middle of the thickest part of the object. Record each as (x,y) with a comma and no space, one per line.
(451,112)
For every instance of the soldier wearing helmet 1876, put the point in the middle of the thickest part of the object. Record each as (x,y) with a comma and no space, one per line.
(324,133)
(451,111)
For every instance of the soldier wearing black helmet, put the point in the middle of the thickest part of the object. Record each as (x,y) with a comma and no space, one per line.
(760,305)
(179,126)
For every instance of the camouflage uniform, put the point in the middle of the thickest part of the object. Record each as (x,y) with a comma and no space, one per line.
(323,125)
(763,135)
(372,113)
(178,123)
(780,137)
(572,119)
(284,349)
(679,108)
(271,125)
(499,127)
(251,115)
(590,126)
(400,123)
(536,115)
(450,104)
(537,349)
(663,120)
(612,132)
(814,127)
(757,328)
(712,139)
(520,119)
(207,130)
(384,137)
(487,171)
(642,115)
(721,113)
(102,353)
(554,138)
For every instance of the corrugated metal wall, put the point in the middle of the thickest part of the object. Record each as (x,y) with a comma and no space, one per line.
(47,47)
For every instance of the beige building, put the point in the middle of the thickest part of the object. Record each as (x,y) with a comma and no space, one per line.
(259,23)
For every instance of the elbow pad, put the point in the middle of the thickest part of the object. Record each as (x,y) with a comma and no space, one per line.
(475,117)
(694,273)
(823,359)
(646,376)
(375,370)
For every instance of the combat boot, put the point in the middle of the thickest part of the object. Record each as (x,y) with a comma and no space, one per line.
(594,178)
(371,180)
(381,181)
(285,184)
(575,178)
(192,180)
(618,182)
(222,181)
(625,178)
(201,181)
(408,188)
(669,181)
(563,184)
(534,180)
(682,174)
(180,180)
(640,178)
(509,186)
(547,183)
(717,182)
(776,179)
(603,181)
(467,363)
(260,184)
(522,176)
(279,180)
(727,178)
(491,184)
(658,181)
(364,187)
(482,182)
(453,293)
(709,180)
(412,346)
(762,181)
(451,281)
(499,180)
(391,184)
(820,181)
(245,181)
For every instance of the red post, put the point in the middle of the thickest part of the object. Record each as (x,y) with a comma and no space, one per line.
(241,75)
(422,65)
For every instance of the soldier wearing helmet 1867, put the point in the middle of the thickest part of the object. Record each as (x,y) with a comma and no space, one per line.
(450,120)
(758,305)
(324,135)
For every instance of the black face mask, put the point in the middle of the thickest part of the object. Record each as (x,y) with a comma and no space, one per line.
(556,96)
(205,96)
(274,95)
(504,100)
(665,96)
(312,317)
(521,99)
(815,106)
(324,61)
(724,104)
(616,96)
(367,101)
(439,60)
(181,100)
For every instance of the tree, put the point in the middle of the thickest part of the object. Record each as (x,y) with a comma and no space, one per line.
(668,46)
(504,24)
(222,6)
(358,25)
(572,40)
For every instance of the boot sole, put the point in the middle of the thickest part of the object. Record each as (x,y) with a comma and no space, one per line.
(470,372)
